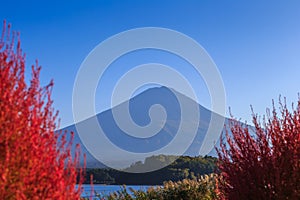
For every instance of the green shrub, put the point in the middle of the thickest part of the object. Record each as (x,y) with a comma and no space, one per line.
(202,189)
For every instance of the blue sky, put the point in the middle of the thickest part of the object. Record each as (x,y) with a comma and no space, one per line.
(255,44)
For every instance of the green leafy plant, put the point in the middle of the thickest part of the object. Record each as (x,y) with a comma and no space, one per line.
(187,189)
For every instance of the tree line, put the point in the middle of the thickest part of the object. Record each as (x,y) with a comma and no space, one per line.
(184,167)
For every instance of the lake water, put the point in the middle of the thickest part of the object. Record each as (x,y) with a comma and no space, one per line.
(104,190)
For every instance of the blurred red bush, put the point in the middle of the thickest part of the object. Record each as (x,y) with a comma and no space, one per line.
(262,162)
(33,164)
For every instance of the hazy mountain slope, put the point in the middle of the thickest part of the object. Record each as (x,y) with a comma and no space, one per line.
(139,110)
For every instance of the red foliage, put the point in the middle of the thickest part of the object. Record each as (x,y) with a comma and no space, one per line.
(263,163)
(33,164)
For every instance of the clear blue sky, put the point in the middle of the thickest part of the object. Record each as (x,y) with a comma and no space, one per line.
(255,44)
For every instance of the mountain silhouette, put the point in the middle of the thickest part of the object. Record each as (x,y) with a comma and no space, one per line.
(140,112)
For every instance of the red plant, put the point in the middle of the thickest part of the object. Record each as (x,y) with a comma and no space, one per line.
(262,162)
(35,161)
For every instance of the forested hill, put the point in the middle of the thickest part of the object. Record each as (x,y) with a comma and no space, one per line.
(183,167)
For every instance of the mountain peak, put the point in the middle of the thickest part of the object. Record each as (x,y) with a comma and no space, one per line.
(139,107)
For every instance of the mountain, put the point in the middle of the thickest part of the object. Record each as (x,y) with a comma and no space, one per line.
(166,120)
